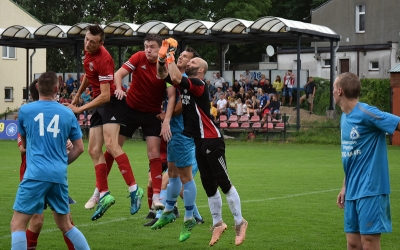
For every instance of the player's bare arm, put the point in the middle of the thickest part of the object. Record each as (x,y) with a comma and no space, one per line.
(76,150)
(118,76)
(341,196)
(398,127)
(165,128)
(104,97)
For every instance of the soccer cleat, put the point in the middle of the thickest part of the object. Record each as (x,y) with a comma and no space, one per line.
(241,232)
(157,205)
(187,229)
(199,220)
(217,231)
(91,203)
(136,200)
(104,203)
(151,215)
(151,223)
(166,218)
(176,212)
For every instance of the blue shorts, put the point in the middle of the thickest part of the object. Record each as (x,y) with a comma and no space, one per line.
(368,215)
(181,151)
(32,196)
(287,92)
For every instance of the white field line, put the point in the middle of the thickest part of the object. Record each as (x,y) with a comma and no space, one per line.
(103,222)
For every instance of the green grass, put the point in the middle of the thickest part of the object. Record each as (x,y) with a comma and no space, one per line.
(288,193)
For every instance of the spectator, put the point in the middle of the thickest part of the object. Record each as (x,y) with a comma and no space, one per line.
(268,89)
(218,80)
(221,104)
(86,97)
(289,81)
(61,84)
(255,85)
(245,106)
(254,105)
(232,104)
(217,95)
(262,80)
(236,86)
(213,112)
(239,107)
(70,84)
(264,104)
(278,86)
(247,85)
(64,96)
(211,89)
(248,75)
(274,106)
(242,80)
(241,95)
(73,94)
(309,95)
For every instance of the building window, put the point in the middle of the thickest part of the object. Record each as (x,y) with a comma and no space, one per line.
(327,63)
(373,65)
(8,94)
(8,52)
(360,18)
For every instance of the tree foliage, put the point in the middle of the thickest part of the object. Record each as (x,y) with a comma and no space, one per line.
(69,12)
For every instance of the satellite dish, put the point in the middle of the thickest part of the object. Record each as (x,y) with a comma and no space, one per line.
(270,50)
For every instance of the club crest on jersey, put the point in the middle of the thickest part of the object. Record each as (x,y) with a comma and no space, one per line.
(354,134)
(143,66)
(91,66)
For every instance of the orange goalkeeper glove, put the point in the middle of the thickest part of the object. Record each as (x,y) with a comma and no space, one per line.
(162,53)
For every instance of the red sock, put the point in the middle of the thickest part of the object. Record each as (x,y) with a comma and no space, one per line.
(125,169)
(68,242)
(156,174)
(109,161)
(101,177)
(150,196)
(31,239)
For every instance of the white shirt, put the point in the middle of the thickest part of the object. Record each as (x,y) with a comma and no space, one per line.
(218,82)
(221,104)
(239,109)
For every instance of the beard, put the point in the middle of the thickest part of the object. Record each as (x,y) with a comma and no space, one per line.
(191,71)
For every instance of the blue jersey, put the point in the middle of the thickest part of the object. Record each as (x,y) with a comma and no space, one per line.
(176,122)
(364,151)
(263,100)
(47,125)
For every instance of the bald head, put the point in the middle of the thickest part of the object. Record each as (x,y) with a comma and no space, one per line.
(196,67)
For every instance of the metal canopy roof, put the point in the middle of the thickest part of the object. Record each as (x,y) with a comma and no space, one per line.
(228,30)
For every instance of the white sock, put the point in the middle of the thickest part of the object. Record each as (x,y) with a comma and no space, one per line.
(96,192)
(215,205)
(132,188)
(233,199)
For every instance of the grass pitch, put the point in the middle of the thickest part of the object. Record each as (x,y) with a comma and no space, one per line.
(288,195)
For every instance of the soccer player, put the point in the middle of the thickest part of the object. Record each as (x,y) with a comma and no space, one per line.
(182,165)
(210,145)
(44,126)
(144,99)
(366,188)
(105,122)
(36,222)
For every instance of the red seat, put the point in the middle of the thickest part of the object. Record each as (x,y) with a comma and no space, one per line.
(234,125)
(223,125)
(81,116)
(268,125)
(255,118)
(280,125)
(80,122)
(233,118)
(257,125)
(245,125)
(243,118)
(222,118)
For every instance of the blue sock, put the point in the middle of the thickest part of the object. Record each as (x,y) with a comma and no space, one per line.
(189,198)
(18,240)
(173,189)
(77,239)
(196,212)
(163,200)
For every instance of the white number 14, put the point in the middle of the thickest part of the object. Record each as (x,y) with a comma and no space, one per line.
(51,128)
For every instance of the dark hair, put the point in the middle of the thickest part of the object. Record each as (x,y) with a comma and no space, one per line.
(95,30)
(46,83)
(191,50)
(33,90)
(154,37)
(350,83)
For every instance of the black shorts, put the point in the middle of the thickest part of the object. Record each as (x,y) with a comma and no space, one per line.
(113,111)
(149,122)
